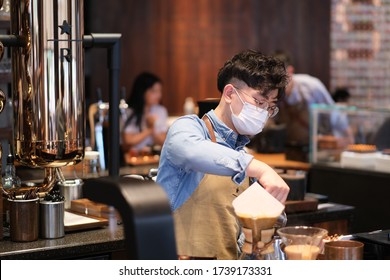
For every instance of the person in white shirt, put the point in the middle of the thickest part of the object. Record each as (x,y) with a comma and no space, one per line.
(302,92)
(147,119)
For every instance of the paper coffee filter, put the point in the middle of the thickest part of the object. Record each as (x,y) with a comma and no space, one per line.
(256,203)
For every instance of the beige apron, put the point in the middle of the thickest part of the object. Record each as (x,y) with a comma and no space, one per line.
(205,225)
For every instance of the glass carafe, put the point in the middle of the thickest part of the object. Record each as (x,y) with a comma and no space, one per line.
(302,242)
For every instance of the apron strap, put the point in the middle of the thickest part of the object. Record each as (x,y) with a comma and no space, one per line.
(206,120)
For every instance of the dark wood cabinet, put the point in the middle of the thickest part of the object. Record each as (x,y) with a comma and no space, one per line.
(368,191)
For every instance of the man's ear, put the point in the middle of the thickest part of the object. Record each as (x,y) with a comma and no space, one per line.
(228,90)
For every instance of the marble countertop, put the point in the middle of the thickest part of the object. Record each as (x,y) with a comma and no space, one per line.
(74,245)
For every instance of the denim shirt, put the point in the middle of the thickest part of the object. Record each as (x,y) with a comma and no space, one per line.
(188,154)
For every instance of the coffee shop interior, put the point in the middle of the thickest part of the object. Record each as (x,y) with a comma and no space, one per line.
(91,193)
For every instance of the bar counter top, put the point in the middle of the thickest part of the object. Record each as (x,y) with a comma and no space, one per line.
(92,243)
(101,244)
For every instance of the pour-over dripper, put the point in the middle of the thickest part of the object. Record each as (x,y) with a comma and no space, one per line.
(262,242)
(302,242)
(258,213)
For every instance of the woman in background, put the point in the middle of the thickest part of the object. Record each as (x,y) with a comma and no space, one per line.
(147,121)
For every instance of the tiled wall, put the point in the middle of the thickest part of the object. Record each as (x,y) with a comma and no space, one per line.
(360,50)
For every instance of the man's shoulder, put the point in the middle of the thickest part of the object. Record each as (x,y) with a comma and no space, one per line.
(311,82)
(306,78)
(187,121)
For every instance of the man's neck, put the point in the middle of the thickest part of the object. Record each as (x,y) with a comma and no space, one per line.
(224,115)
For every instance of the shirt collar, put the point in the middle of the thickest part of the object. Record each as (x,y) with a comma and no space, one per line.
(232,138)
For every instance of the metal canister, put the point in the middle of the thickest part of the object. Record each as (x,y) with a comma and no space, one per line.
(71,190)
(52,219)
(24,219)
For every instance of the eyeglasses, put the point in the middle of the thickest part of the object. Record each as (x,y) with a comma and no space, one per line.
(263,104)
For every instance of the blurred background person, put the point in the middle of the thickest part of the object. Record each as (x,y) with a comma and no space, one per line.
(302,91)
(147,119)
(341,126)
(341,96)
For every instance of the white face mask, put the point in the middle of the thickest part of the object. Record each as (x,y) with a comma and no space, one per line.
(251,120)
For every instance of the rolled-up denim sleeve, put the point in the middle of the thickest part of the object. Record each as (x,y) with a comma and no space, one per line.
(188,146)
(238,163)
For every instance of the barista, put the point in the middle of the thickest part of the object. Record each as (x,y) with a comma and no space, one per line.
(204,166)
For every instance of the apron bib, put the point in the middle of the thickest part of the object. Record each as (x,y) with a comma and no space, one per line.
(206,225)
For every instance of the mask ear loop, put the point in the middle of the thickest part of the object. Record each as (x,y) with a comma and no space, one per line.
(239,96)
(231,110)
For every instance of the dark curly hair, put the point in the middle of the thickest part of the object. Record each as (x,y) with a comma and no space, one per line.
(258,71)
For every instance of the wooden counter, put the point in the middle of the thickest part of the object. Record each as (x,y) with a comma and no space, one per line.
(280,161)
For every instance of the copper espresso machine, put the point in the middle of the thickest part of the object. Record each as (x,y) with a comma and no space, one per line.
(47,52)
(47,84)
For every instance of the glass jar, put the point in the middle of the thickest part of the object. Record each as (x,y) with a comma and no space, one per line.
(91,164)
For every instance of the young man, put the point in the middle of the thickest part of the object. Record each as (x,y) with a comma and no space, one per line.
(203,165)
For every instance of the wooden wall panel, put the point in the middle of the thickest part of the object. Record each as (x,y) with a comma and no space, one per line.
(185,42)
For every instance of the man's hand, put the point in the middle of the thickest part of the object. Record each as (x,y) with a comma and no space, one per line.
(269,179)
